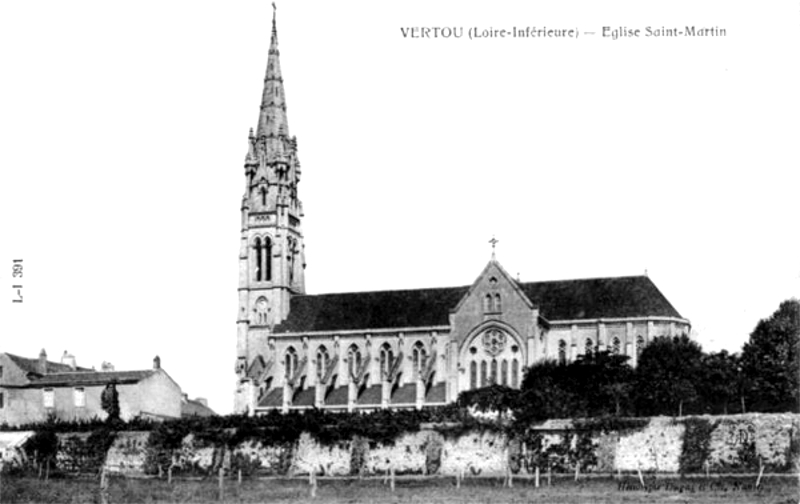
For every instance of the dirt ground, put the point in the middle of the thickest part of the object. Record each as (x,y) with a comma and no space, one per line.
(783,490)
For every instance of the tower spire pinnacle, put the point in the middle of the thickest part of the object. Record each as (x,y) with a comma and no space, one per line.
(272,121)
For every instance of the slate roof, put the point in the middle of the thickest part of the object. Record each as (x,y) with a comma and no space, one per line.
(88,378)
(32,365)
(273,399)
(593,298)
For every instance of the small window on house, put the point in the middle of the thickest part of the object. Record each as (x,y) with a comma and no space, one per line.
(639,346)
(79,395)
(588,347)
(2,399)
(615,346)
(48,397)
(562,352)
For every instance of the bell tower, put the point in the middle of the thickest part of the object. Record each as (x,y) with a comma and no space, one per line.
(272,254)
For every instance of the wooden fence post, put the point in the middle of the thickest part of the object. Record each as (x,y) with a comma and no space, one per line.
(577,470)
(240,476)
(760,472)
(510,478)
(313,484)
(536,477)
(169,475)
(458,479)
(392,478)
(549,474)
(103,486)
(221,483)
(641,478)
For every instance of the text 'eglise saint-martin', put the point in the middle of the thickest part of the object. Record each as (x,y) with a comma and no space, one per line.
(533,32)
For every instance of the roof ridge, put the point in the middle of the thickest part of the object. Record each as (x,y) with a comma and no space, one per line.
(294,296)
(622,277)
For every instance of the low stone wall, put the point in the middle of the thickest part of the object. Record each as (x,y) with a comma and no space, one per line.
(725,444)
(128,452)
(12,454)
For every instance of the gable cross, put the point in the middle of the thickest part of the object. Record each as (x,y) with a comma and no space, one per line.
(493,241)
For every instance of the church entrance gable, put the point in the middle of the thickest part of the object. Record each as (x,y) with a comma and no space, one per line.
(493,296)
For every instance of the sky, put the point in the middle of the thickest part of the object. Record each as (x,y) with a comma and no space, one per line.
(123,131)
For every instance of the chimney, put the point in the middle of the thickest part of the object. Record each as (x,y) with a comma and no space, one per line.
(202,400)
(157,362)
(106,366)
(185,397)
(69,360)
(42,365)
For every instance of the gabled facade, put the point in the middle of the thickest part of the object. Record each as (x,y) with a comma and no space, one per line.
(407,348)
(34,390)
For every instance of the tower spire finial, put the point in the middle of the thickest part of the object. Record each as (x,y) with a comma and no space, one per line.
(493,241)
(274,15)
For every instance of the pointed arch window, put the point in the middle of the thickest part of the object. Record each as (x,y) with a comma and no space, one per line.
(290,362)
(615,346)
(386,359)
(473,375)
(639,346)
(562,352)
(493,377)
(484,377)
(498,305)
(514,373)
(353,360)
(504,373)
(263,191)
(418,357)
(322,361)
(487,303)
(257,247)
(267,259)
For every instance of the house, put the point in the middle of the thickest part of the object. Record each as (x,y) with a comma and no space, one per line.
(33,390)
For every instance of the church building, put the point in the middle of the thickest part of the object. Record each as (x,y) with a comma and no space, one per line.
(400,348)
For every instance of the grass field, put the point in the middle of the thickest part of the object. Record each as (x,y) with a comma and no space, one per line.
(782,490)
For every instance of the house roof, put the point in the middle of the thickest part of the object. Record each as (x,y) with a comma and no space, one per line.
(88,378)
(32,365)
(193,407)
(593,298)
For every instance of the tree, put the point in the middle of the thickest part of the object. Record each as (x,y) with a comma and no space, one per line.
(720,381)
(669,368)
(603,379)
(109,401)
(771,361)
(545,393)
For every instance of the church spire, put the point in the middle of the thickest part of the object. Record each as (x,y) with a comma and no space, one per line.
(272,121)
